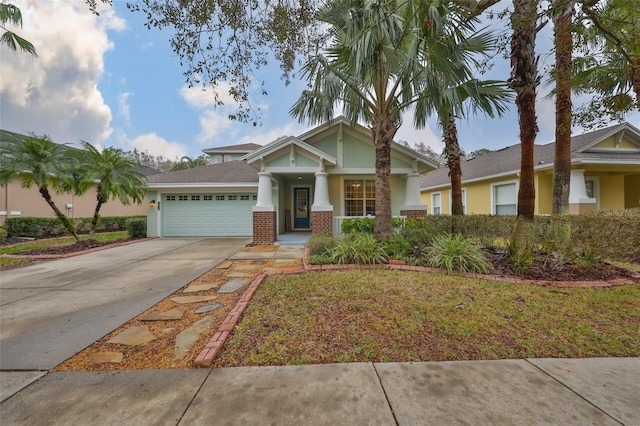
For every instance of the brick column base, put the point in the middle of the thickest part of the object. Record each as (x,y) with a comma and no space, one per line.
(413,214)
(264,228)
(321,222)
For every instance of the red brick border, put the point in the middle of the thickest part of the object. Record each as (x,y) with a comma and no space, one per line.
(208,354)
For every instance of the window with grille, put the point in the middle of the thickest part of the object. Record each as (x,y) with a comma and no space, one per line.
(232,197)
(207,197)
(245,198)
(219,197)
(195,198)
(183,197)
(171,197)
(359,197)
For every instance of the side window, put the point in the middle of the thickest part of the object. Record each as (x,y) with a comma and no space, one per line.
(436,206)
(505,199)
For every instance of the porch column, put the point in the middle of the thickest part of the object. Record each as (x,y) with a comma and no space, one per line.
(413,207)
(579,202)
(321,210)
(264,212)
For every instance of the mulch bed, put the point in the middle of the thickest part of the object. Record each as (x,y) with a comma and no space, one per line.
(70,248)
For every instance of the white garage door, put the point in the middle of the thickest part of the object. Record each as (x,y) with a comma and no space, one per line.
(207,215)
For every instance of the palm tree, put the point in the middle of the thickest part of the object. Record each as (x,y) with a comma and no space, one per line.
(36,161)
(609,64)
(524,81)
(10,14)
(116,174)
(383,58)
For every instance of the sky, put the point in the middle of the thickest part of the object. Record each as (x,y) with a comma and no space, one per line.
(110,81)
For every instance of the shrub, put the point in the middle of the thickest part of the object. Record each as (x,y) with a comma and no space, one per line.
(457,252)
(137,228)
(358,248)
(3,235)
(318,259)
(366,225)
(47,227)
(397,247)
(319,244)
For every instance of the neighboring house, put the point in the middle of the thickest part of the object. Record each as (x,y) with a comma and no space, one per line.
(16,201)
(295,183)
(605,175)
(230,153)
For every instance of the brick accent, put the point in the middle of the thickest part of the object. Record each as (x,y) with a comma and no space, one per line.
(321,222)
(413,214)
(264,228)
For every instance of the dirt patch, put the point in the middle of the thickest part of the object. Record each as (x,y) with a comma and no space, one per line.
(546,267)
(78,247)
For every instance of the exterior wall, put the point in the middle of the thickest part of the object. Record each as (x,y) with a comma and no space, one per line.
(632,191)
(610,142)
(335,194)
(357,154)
(30,203)
(152,215)
(264,228)
(398,184)
(611,191)
(328,144)
(544,193)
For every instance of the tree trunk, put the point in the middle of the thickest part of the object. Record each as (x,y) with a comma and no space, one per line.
(383,131)
(562,16)
(68,225)
(453,154)
(96,213)
(524,80)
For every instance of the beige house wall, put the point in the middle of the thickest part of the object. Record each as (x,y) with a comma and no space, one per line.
(29,203)
(632,191)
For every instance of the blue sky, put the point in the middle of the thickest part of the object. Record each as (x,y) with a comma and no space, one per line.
(110,81)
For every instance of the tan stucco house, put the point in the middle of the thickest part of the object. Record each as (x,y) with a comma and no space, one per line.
(605,175)
(307,182)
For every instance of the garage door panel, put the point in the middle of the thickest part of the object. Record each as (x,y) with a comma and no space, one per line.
(229,215)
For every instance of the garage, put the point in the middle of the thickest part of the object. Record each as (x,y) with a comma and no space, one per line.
(207,214)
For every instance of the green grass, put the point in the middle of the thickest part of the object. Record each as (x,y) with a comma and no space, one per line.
(7,263)
(383,316)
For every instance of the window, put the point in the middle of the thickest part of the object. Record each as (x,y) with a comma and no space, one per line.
(245,198)
(255,198)
(505,199)
(436,206)
(593,189)
(207,197)
(195,198)
(183,197)
(171,197)
(359,197)
(219,197)
(232,197)
(464,201)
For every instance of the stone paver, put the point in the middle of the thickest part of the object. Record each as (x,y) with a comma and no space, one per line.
(199,287)
(232,285)
(187,338)
(192,299)
(133,336)
(239,275)
(107,357)
(208,308)
(224,265)
(171,314)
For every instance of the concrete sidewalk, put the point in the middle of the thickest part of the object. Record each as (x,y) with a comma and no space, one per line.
(598,391)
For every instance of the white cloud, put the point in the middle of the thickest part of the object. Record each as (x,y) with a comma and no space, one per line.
(157,146)
(427,135)
(123,106)
(57,92)
(263,136)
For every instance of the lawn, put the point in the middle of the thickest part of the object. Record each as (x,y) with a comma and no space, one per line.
(384,316)
(7,263)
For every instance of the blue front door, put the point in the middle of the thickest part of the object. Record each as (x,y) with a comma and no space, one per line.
(301,205)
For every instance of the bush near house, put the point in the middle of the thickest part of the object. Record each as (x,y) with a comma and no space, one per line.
(42,227)
(137,228)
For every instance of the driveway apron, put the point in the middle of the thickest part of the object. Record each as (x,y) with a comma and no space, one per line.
(52,310)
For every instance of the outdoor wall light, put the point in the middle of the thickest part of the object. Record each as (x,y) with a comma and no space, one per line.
(152,204)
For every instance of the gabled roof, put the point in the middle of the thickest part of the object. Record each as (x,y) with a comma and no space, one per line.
(286,141)
(233,149)
(228,172)
(506,161)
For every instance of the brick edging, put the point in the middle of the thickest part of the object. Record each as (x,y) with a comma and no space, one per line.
(208,354)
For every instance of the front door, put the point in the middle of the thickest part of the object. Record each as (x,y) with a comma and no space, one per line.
(301,206)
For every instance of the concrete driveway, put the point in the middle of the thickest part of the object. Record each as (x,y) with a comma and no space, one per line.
(52,310)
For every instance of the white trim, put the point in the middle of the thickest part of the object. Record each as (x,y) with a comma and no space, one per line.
(288,141)
(433,202)
(200,185)
(504,182)
(612,150)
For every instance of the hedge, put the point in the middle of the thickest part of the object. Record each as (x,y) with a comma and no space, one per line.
(44,227)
